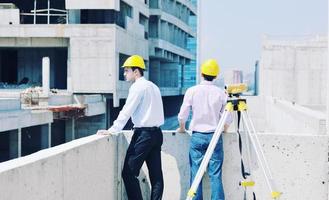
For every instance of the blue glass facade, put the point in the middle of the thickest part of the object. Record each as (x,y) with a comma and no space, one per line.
(189,70)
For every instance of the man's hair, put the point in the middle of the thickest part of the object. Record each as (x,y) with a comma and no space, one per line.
(208,78)
(141,71)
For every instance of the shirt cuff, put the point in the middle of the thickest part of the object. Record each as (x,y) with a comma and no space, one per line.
(113,130)
(182,120)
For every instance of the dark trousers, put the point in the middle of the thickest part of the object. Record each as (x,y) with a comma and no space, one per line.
(145,145)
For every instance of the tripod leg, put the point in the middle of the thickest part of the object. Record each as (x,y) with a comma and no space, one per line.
(258,143)
(195,184)
(247,181)
(260,154)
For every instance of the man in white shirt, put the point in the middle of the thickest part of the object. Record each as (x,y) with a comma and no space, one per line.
(144,106)
(207,102)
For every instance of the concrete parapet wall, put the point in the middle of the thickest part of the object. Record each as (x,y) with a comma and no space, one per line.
(299,174)
(82,169)
(276,115)
(7,104)
(90,168)
(56,100)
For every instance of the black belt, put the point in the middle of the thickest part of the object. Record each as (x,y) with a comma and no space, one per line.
(153,128)
(206,133)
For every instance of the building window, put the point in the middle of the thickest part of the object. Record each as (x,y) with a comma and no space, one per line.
(125,10)
(97,16)
(122,59)
(154,3)
(41,12)
(154,26)
(143,20)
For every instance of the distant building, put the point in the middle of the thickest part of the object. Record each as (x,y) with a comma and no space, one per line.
(295,69)
(233,77)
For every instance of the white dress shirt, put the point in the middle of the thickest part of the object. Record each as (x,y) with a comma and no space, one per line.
(143,105)
(207,102)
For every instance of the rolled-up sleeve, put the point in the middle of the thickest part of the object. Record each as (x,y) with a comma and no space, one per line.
(186,107)
(133,99)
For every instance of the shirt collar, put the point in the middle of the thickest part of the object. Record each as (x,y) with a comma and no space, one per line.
(204,82)
(140,78)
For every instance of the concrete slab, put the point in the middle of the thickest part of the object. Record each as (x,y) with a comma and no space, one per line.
(23,118)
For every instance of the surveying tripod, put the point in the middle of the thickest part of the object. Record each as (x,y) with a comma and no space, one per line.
(235,103)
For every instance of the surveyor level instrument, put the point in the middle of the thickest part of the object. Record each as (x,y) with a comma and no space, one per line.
(235,104)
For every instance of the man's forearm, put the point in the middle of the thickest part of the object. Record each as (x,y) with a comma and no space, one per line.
(226,126)
(182,125)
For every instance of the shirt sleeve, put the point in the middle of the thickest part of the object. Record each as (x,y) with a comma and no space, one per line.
(133,100)
(186,107)
(229,117)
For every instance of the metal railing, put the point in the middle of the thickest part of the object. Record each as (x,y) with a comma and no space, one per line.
(46,13)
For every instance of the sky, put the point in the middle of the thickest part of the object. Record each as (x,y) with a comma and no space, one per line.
(231,30)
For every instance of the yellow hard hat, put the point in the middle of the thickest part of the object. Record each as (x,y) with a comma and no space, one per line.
(134,61)
(210,67)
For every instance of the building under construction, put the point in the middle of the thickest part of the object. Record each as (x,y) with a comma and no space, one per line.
(60,74)
(60,80)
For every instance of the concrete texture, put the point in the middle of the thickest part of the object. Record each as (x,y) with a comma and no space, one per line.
(295,69)
(60,99)
(80,170)
(94,49)
(271,114)
(298,164)
(90,168)
(9,16)
(14,117)
(7,104)
(18,119)
(95,4)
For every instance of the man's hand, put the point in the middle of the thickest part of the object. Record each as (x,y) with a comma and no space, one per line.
(180,130)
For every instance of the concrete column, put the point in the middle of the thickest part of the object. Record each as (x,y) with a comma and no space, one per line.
(73,129)
(69,76)
(19,142)
(69,130)
(116,98)
(49,135)
(44,134)
(48,12)
(13,144)
(45,76)
(35,12)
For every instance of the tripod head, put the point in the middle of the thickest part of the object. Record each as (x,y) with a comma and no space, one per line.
(235,90)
